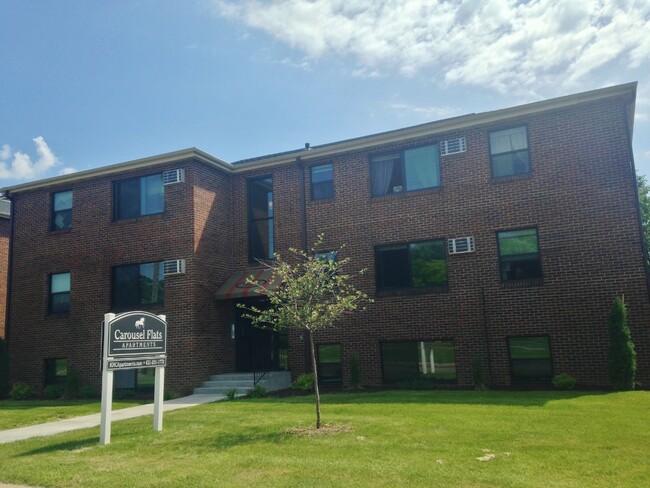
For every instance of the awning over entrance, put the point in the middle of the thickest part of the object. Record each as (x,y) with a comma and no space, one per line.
(237,285)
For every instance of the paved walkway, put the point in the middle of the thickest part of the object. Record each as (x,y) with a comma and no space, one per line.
(66,425)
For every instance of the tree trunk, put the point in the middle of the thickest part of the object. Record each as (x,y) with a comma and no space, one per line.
(315,371)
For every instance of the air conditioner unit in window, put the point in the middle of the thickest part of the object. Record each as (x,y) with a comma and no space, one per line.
(452,146)
(175,266)
(173,176)
(460,245)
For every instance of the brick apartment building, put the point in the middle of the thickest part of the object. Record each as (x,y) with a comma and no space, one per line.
(5,209)
(497,239)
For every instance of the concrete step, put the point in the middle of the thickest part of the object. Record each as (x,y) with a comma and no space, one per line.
(220,384)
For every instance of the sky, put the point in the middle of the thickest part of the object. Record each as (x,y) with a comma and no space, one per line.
(90,83)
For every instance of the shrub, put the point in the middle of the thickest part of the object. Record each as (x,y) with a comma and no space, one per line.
(417,384)
(257,392)
(4,369)
(52,392)
(304,382)
(622,356)
(124,394)
(564,381)
(170,395)
(87,392)
(231,394)
(72,384)
(21,391)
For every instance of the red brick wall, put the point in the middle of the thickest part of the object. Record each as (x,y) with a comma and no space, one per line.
(580,196)
(91,248)
(5,225)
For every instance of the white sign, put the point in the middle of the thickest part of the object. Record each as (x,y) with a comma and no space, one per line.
(142,336)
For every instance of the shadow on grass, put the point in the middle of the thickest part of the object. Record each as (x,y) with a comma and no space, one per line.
(63,446)
(8,405)
(248,436)
(462,397)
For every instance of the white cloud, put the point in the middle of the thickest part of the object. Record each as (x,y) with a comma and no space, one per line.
(20,166)
(67,171)
(505,45)
(426,113)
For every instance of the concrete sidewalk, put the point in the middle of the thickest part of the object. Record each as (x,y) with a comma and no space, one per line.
(75,423)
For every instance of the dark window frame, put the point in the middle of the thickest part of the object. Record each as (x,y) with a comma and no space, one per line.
(253,220)
(50,376)
(328,184)
(63,212)
(52,309)
(514,174)
(538,279)
(140,302)
(329,379)
(407,246)
(402,169)
(434,381)
(528,378)
(117,185)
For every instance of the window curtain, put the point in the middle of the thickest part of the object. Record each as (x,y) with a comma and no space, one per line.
(422,167)
(509,140)
(382,173)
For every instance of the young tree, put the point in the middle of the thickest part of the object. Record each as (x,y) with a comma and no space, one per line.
(622,357)
(314,293)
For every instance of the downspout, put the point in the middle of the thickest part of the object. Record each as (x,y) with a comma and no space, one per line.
(644,247)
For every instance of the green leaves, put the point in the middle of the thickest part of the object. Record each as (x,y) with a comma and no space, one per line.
(314,292)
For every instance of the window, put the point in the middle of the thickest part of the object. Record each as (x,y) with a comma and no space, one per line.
(322,182)
(519,255)
(260,219)
(59,293)
(56,371)
(142,380)
(61,210)
(509,152)
(418,360)
(138,284)
(530,358)
(329,363)
(326,256)
(419,264)
(409,170)
(137,197)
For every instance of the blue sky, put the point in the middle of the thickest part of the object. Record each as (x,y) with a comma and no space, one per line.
(90,83)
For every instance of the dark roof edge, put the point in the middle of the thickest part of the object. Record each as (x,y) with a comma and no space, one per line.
(447,125)
(627,90)
(183,154)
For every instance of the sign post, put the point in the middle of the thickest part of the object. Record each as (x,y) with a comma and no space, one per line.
(132,340)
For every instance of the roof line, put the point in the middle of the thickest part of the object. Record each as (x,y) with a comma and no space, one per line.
(349,145)
(189,153)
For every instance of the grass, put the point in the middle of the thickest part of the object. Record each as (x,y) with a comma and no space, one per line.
(22,413)
(404,438)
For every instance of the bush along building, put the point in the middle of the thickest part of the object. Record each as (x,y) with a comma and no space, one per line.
(494,243)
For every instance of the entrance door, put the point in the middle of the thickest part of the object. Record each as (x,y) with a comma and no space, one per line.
(257,349)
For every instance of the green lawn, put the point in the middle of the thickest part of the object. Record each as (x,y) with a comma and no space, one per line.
(392,439)
(23,413)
